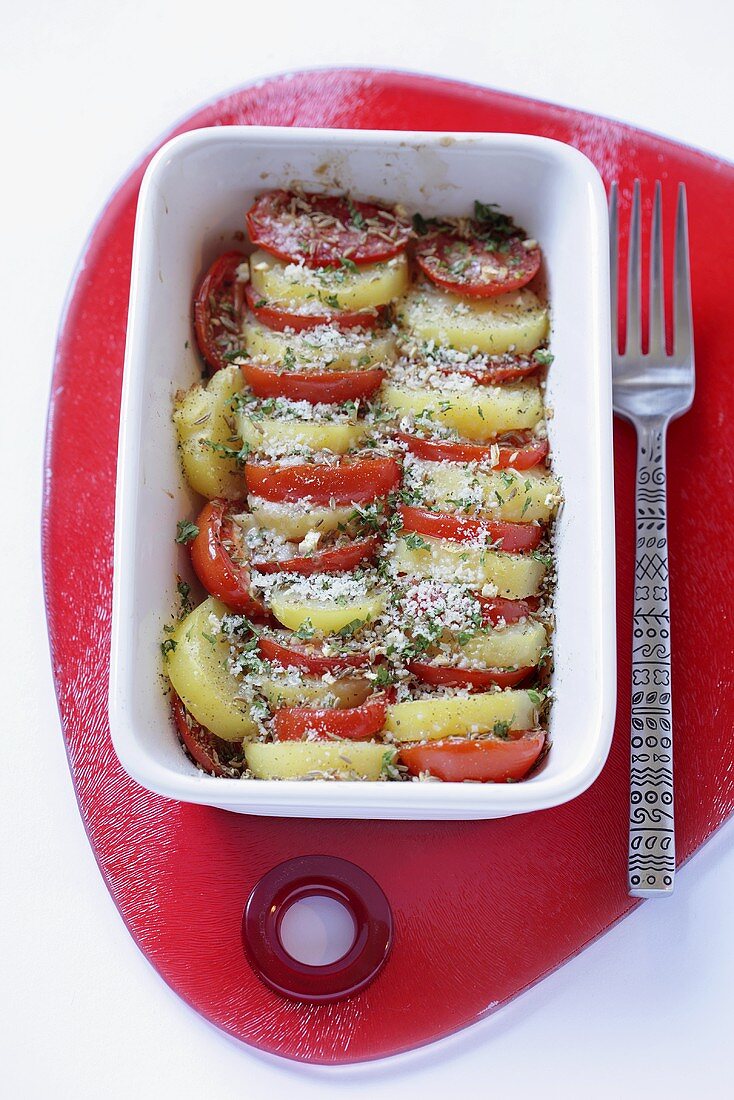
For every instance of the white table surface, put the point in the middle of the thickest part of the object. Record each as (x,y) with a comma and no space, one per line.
(86,87)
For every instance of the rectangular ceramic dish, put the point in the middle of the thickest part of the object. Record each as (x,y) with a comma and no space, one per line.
(192,202)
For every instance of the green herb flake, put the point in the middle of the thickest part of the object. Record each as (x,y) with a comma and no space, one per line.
(186,531)
(543,356)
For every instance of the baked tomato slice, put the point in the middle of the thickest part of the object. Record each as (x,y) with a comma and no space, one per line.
(337,559)
(484,760)
(349,481)
(474,679)
(274,315)
(328,386)
(214,565)
(475,266)
(325,230)
(497,608)
(513,538)
(206,749)
(335,724)
(307,658)
(219,304)
(511,368)
(521,456)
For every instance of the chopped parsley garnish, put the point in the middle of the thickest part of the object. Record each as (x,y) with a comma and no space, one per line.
(168,646)
(355,217)
(543,356)
(495,225)
(305,631)
(239,454)
(501,729)
(347,263)
(351,628)
(186,531)
(415,542)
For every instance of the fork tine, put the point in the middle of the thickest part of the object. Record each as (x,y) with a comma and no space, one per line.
(614,266)
(633,340)
(657,306)
(682,311)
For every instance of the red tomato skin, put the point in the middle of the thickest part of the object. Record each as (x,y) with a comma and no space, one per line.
(510,537)
(198,741)
(329,386)
(475,679)
(295,656)
(220,576)
(494,375)
(269,229)
(278,319)
(342,724)
(219,277)
(486,760)
(340,560)
(526,265)
(351,481)
(523,457)
(496,608)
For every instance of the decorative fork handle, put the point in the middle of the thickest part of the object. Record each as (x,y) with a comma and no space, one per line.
(651,862)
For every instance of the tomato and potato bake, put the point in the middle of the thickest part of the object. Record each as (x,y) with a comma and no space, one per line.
(375,534)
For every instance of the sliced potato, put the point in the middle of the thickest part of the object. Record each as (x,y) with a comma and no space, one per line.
(338,287)
(517,321)
(511,495)
(518,645)
(203,415)
(297,759)
(197,668)
(456,716)
(349,691)
(325,618)
(280,436)
(294,521)
(511,575)
(323,348)
(479,413)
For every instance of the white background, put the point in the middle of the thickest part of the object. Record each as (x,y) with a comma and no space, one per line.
(85,88)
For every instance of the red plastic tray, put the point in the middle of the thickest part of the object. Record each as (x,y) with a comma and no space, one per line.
(482,909)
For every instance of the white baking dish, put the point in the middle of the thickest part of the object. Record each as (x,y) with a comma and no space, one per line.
(192,201)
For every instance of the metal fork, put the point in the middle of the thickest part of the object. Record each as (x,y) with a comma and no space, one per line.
(650,390)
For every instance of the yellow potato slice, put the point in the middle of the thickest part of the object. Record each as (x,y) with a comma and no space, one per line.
(297,759)
(294,521)
(204,415)
(513,576)
(516,321)
(457,716)
(197,669)
(339,288)
(280,436)
(325,348)
(518,645)
(479,413)
(349,691)
(325,618)
(511,495)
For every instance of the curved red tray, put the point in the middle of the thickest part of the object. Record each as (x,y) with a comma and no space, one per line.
(482,909)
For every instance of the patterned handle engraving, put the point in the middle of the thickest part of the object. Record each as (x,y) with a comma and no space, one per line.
(651,863)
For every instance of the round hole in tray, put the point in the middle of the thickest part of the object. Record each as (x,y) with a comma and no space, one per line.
(297,918)
(317,930)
